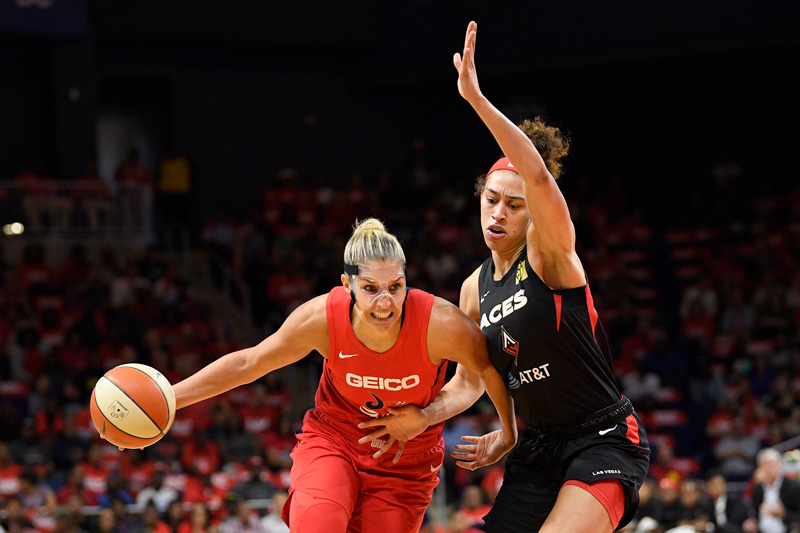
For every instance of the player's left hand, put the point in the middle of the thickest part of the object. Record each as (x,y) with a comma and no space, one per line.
(484,450)
(401,425)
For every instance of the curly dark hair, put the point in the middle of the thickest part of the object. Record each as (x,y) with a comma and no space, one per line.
(553,145)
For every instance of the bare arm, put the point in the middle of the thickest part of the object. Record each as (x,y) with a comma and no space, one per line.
(455,336)
(303,331)
(552,225)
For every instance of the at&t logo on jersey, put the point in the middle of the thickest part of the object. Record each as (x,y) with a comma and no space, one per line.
(505,308)
(381,383)
(534,374)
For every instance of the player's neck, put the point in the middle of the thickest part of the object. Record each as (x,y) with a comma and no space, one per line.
(504,260)
(377,341)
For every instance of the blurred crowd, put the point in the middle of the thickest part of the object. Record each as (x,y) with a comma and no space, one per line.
(700,295)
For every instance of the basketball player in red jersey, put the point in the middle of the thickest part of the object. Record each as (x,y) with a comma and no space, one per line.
(385,346)
(583,453)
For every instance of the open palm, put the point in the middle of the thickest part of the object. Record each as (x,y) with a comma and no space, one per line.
(484,450)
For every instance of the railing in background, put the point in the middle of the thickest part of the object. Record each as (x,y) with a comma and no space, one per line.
(75,210)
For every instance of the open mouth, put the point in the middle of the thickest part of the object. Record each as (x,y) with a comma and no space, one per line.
(495,232)
(382,316)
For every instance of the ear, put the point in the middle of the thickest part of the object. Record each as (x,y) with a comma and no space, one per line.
(346,282)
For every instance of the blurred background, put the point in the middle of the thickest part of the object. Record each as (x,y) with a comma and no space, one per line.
(176,177)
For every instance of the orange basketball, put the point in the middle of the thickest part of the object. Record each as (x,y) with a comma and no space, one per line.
(133,405)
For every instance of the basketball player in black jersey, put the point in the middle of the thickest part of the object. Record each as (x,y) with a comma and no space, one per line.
(583,453)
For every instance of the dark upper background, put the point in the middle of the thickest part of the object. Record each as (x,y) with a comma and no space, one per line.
(652,92)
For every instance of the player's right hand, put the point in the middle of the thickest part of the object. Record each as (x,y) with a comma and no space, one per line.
(484,450)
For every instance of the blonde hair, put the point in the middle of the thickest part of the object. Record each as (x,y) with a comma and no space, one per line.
(371,242)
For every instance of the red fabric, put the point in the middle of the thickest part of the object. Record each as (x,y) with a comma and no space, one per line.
(368,383)
(608,492)
(331,469)
(502,164)
(138,475)
(9,479)
(258,420)
(633,429)
(203,460)
(195,491)
(592,311)
(94,482)
(557,301)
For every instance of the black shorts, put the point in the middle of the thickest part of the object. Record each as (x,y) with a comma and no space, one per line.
(609,445)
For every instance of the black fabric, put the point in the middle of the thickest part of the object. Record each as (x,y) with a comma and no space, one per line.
(549,346)
(542,462)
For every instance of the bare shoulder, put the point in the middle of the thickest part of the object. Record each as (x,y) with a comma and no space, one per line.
(308,324)
(449,331)
(469,296)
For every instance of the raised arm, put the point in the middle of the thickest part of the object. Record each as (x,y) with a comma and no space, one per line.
(547,206)
(303,331)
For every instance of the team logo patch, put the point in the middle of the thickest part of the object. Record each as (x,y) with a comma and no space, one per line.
(522,273)
(377,404)
(513,383)
(510,345)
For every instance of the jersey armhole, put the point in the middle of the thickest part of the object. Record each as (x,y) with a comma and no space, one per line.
(331,313)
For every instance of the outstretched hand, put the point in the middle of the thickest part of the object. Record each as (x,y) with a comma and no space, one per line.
(400,425)
(468,86)
(484,450)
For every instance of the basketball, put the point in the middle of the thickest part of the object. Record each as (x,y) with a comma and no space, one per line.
(132,405)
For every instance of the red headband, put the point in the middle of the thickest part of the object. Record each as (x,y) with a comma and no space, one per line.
(502,164)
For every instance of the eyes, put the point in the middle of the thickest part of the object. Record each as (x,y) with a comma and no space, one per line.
(394,288)
(513,204)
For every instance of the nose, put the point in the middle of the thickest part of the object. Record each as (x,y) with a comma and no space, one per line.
(383,300)
(499,212)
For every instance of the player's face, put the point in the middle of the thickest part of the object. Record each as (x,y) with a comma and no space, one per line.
(380,291)
(504,213)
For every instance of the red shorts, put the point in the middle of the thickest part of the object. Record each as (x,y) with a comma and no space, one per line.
(377,496)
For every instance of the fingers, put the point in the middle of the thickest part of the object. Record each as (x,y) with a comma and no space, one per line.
(400,446)
(463,451)
(457,61)
(466,465)
(469,438)
(384,449)
(371,423)
(374,435)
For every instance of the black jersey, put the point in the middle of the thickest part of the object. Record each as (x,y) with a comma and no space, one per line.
(548,345)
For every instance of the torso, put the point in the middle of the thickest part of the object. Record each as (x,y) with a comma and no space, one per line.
(548,345)
(357,382)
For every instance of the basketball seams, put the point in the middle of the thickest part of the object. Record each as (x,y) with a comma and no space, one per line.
(123,391)
(132,413)
(158,386)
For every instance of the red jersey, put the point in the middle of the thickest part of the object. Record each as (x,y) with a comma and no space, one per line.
(357,382)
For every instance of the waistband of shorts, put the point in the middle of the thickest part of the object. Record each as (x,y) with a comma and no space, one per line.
(350,431)
(613,413)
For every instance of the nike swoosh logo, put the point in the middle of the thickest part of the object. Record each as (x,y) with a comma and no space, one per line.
(435,468)
(346,355)
(604,431)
